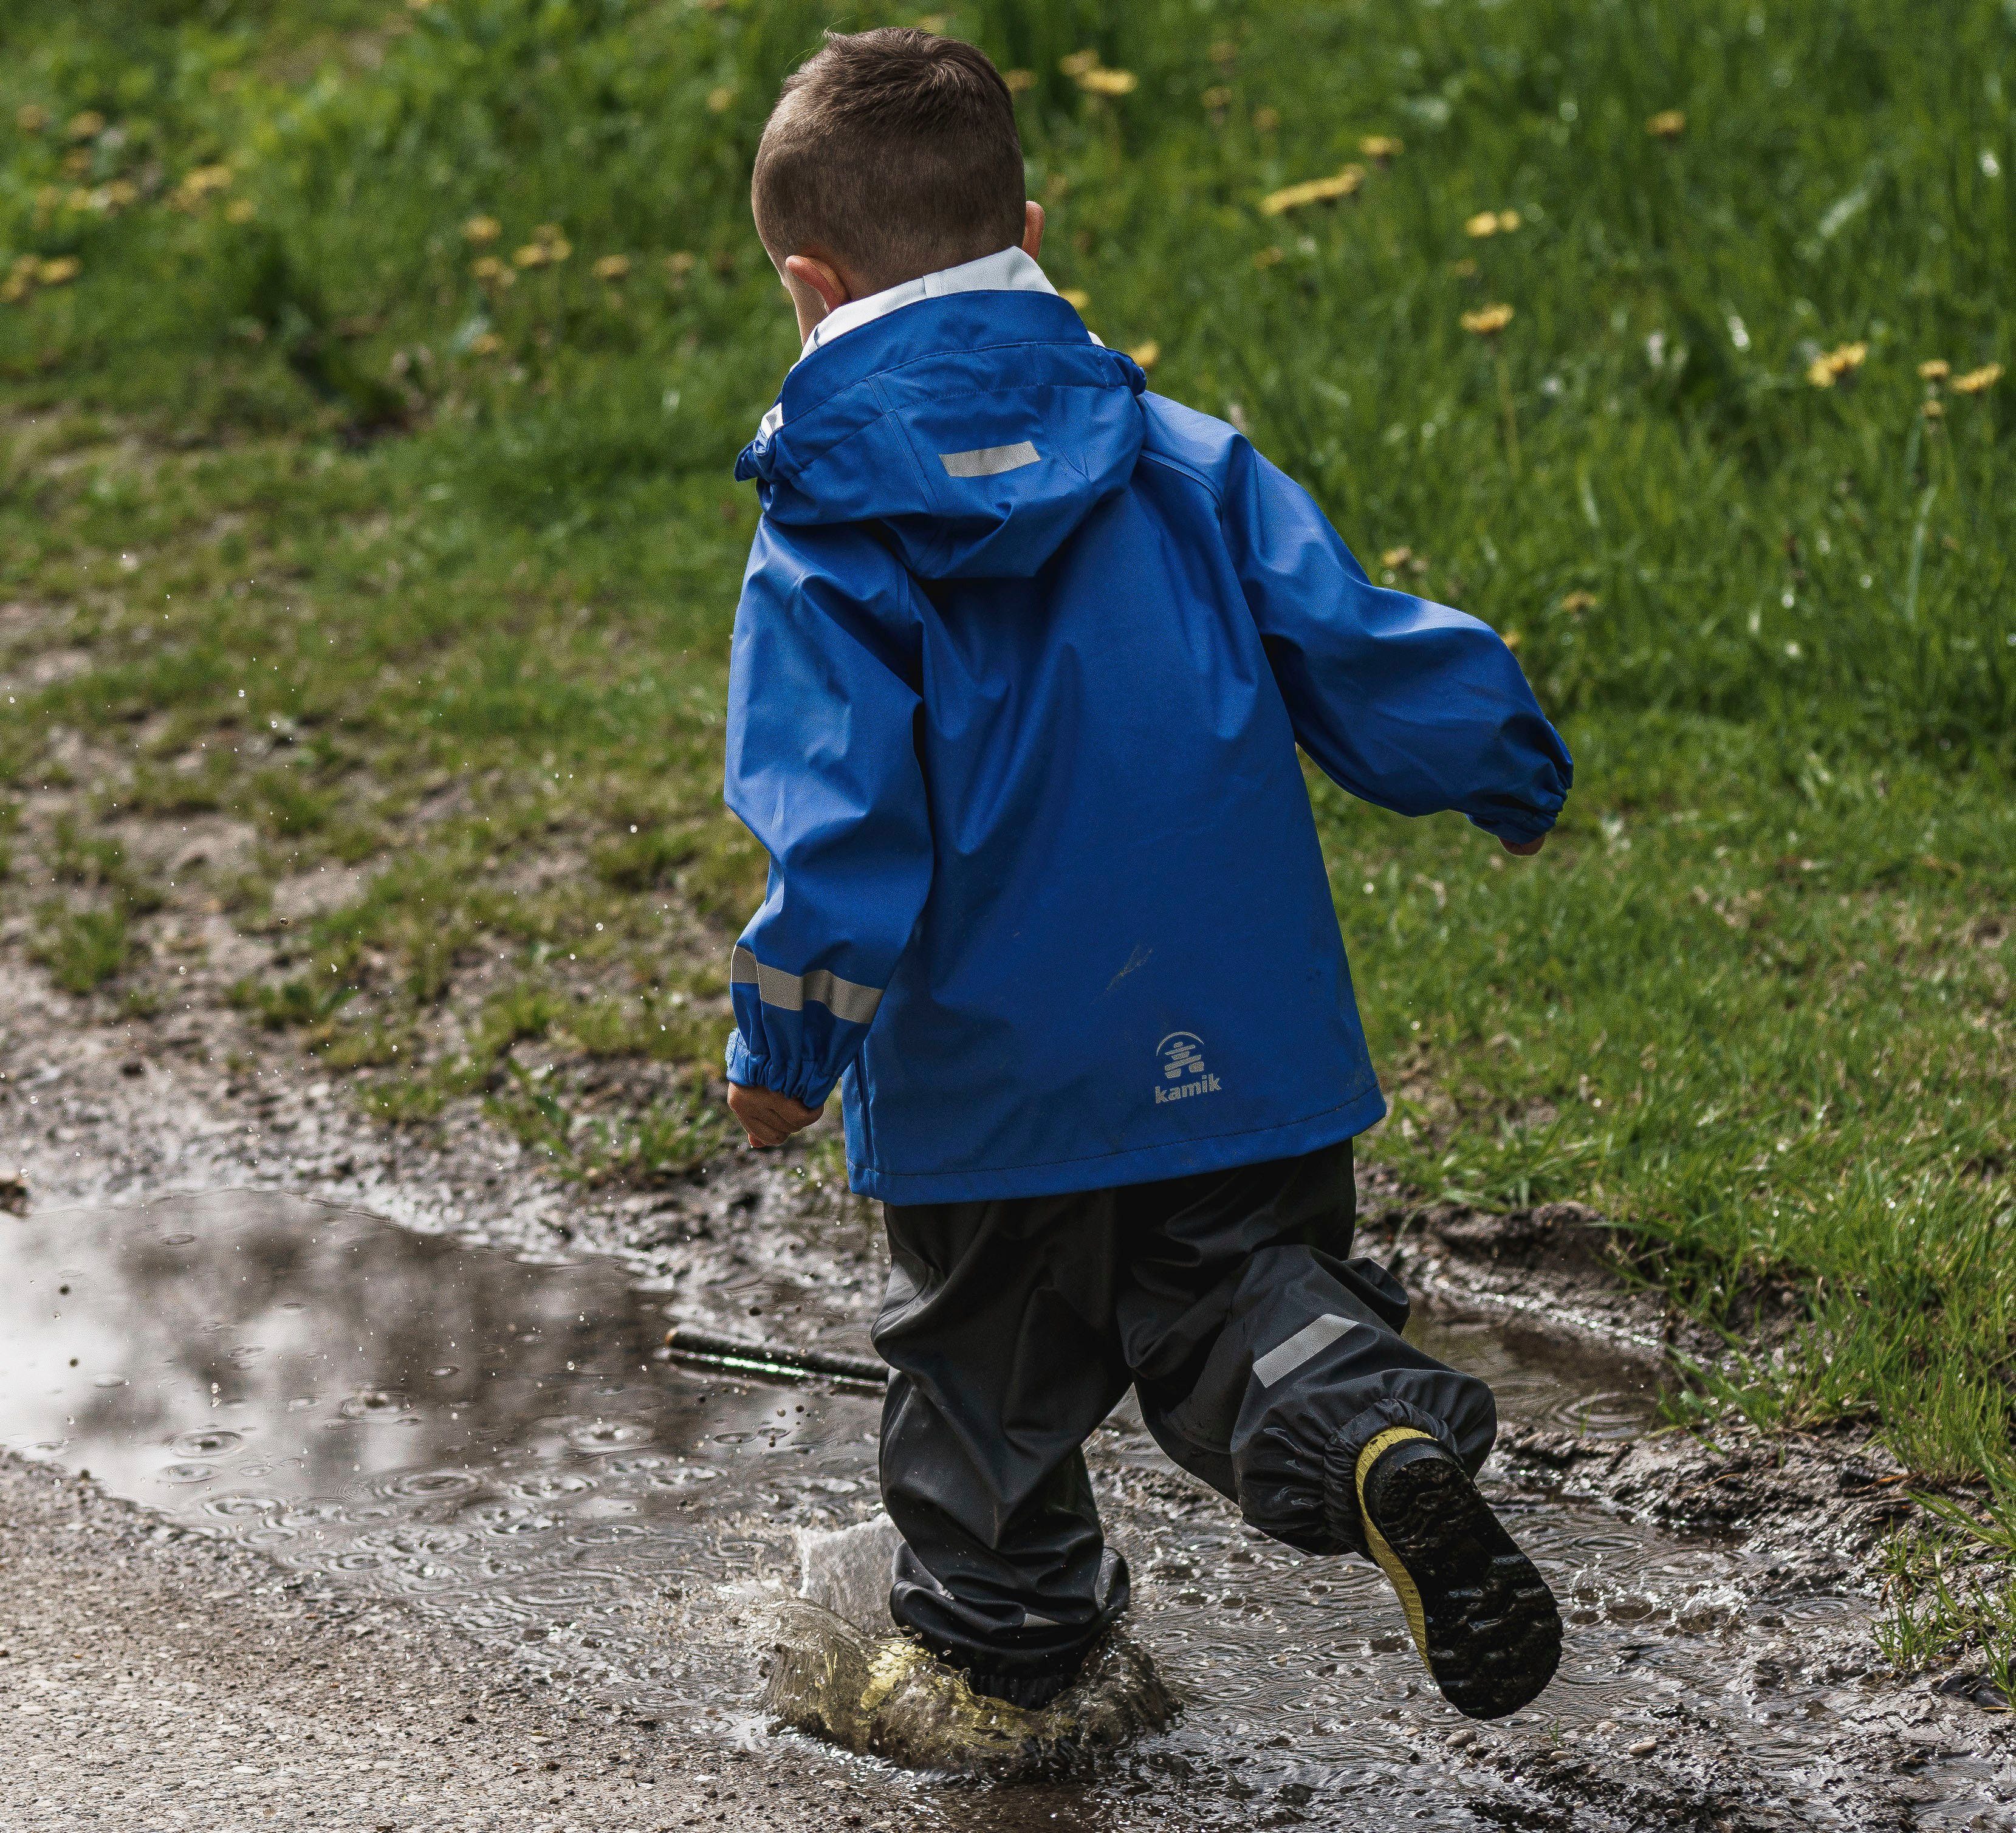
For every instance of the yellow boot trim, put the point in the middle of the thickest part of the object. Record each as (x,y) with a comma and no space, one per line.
(1389,1561)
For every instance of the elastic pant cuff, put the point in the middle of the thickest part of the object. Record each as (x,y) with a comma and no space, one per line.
(1342,1519)
(1031,1692)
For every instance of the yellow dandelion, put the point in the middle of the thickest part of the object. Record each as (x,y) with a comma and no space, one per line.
(1668,124)
(485,344)
(240,209)
(1508,221)
(1146,354)
(1079,64)
(1487,321)
(532,255)
(76,164)
(119,194)
(612,267)
(1395,558)
(934,23)
(482,230)
(1578,601)
(1936,369)
(1076,298)
(720,100)
(1484,223)
(1824,370)
(1266,119)
(1381,148)
(1933,410)
(490,270)
(1511,638)
(86,126)
(1020,81)
(1977,381)
(13,289)
(59,272)
(1109,82)
(1217,97)
(1344,184)
(198,184)
(1465,269)
(1223,50)
(679,263)
(78,199)
(30,117)
(1270,257)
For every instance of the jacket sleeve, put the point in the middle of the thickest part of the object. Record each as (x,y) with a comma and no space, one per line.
(823,768)
(1402,702)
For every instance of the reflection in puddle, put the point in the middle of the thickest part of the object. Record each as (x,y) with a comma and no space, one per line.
(498,1439)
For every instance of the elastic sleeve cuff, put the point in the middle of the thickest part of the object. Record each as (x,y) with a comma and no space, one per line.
(1518,828)
(802,1082)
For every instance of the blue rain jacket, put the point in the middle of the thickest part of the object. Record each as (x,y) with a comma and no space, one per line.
(1022,659)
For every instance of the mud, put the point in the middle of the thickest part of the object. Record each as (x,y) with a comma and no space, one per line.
(489,1439)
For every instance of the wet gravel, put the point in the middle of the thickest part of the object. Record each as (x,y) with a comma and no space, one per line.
(152,1679)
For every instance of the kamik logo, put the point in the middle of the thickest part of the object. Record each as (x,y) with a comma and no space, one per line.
(1181,1054)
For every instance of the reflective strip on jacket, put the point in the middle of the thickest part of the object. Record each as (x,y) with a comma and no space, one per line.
(1023,657)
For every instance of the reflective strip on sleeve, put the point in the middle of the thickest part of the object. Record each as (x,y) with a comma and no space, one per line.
(1283,1360)
(790,992)
(988,461)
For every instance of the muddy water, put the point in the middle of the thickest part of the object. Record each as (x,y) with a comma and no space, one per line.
(499,1438)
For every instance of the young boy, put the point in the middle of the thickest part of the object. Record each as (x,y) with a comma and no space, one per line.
(1022,659)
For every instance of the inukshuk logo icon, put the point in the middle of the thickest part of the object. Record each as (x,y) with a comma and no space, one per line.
(1181,1054)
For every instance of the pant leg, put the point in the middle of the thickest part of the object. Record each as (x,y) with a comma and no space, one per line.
(997,1327)
(1266,1360)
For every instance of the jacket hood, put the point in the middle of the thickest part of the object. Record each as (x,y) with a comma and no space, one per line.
(977,429)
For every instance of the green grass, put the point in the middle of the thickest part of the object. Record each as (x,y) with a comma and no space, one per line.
(324,533)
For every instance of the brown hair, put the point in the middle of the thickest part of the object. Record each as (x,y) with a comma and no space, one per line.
(894,152)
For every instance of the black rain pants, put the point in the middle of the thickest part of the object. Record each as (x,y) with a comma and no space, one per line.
(1265,1360)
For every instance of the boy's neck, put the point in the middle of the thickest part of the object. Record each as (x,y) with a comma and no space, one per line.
(1007,270)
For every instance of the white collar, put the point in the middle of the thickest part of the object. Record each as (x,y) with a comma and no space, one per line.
(1007,271)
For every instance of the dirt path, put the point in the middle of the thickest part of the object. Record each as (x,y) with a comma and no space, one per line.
(153,1680)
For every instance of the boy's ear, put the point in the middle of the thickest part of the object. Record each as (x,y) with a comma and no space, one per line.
(818,278)
(1032,228)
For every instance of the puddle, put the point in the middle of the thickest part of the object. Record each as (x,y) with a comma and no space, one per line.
(498,1439)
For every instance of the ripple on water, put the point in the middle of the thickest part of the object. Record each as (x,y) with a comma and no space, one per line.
(607,1435)
(374,1403)
(208,1442)
(240,1508)
(429,1486)
(498,1517)
(186,1473)
(545,1486)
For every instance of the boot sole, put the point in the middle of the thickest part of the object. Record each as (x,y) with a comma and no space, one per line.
(1483,1617)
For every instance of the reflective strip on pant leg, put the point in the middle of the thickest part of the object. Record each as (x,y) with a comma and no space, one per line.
(1286,1358)
(843,998)
(988,461)
(1032,1621)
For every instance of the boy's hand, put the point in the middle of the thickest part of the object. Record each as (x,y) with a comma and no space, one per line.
(768,1118)
(1525,848)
